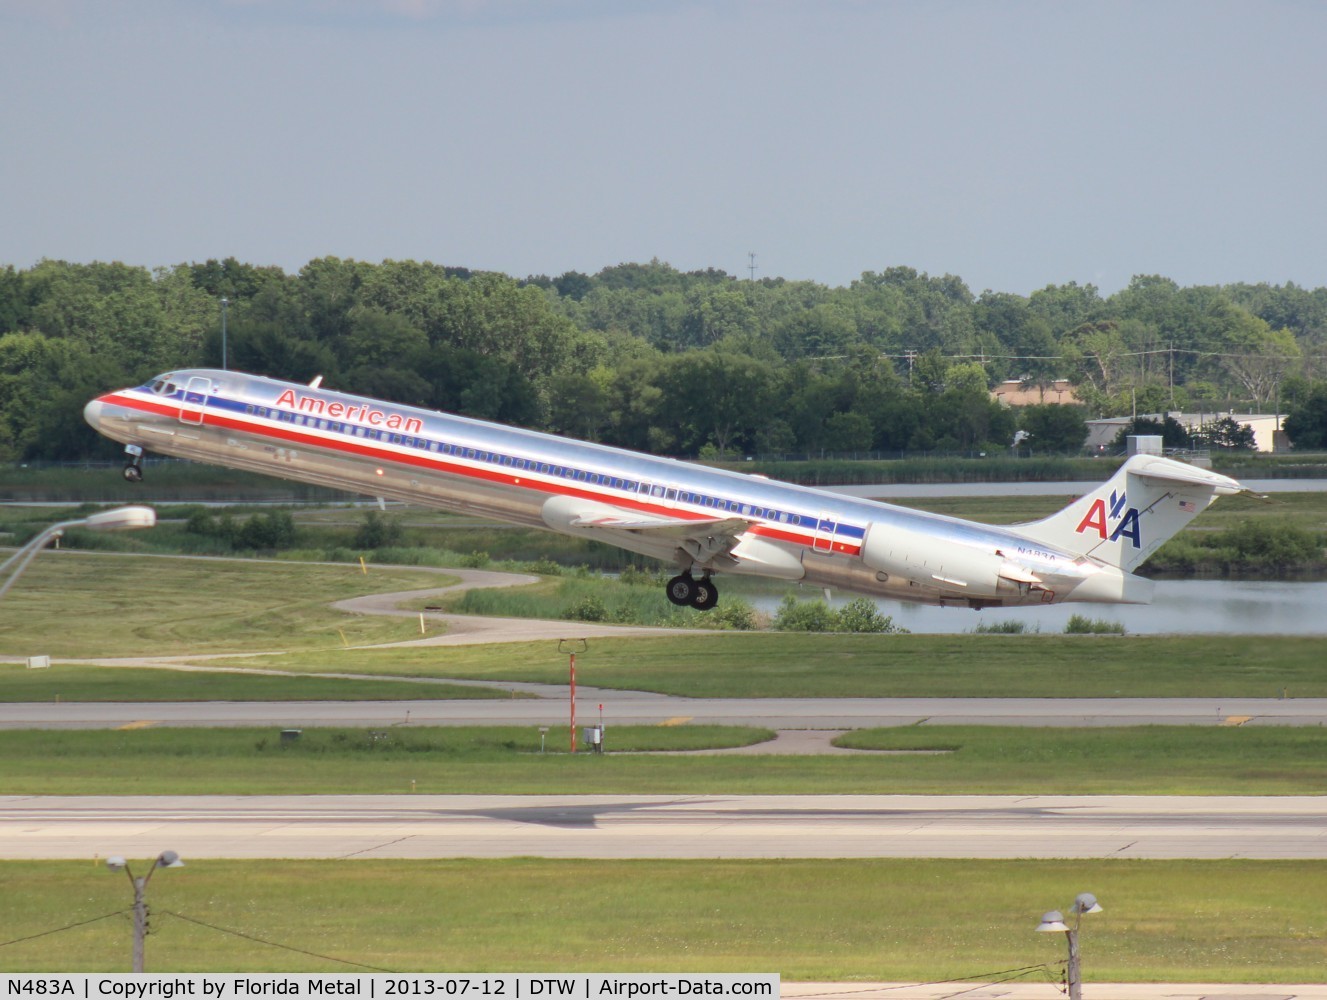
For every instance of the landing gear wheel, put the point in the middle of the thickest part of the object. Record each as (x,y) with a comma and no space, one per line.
(681,590)
(706,595)
(133,467)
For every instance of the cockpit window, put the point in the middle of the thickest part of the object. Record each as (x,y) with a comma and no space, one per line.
(164,386)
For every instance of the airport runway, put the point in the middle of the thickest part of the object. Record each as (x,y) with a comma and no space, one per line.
(637,708)
(666,826)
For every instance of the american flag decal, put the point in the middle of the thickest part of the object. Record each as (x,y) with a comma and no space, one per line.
(1188,506)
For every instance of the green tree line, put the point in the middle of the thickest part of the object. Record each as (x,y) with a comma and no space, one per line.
(645,356)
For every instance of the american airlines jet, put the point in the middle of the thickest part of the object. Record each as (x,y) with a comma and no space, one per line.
(703,521)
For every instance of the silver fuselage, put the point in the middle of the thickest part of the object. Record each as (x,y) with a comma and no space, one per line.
(314,435)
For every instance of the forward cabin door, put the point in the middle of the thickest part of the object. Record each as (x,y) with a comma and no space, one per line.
(823,538)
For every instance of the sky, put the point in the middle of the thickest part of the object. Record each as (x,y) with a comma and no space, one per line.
(1014,144)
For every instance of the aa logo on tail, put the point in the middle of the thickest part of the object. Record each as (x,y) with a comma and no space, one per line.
(1099,519)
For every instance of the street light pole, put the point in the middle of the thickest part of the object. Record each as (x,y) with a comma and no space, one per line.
(224,302)
(166,859)
(1053,921)
(117,519)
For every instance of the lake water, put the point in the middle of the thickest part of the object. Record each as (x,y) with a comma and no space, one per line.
(1180,606)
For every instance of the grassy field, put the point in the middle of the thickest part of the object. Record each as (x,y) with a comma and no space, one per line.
(506,760)
(72,682)
(756,665)
(1222,921)
(78,605)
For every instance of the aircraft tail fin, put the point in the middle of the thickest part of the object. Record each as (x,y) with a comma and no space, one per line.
(1128,517)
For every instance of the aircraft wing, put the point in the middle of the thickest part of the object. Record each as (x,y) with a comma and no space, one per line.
(657,534)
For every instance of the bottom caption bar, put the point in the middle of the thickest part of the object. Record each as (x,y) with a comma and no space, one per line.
(504,985)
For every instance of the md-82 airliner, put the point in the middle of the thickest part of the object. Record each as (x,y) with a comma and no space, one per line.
(700,520)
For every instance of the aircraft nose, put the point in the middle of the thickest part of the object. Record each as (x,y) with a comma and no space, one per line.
(92,413)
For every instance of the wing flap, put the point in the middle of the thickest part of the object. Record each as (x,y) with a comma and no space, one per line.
(664,537)
(673,527)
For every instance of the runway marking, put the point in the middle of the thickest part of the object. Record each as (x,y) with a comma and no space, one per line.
(677,720)
(1236,720)
(143,724)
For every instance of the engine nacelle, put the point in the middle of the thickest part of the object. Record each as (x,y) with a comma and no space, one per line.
(943,564)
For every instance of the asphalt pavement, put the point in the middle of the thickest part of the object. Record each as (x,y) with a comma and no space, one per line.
(666,826)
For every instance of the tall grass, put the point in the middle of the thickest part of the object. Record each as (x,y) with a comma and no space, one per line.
(1083,625)
(1011,626)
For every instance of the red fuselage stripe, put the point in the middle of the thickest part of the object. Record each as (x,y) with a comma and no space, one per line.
(213,418)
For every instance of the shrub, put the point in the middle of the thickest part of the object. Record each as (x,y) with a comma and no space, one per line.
(731,614)
(378,532)
(858,615)
(587,609)
(274,530)
(1267,542)
(1082,625)
(1009,627)
(635,576)
(861,615)
(803,616)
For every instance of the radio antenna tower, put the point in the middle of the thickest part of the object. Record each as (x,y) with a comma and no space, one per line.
(751,266)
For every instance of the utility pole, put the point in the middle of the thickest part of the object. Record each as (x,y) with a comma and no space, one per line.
(166,859)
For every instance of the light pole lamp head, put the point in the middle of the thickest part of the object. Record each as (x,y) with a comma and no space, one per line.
(1085,902)
(115,863)
(1051,922)
(169,859)
(121,519)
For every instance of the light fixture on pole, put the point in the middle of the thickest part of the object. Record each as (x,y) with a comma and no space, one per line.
(116,519)
(1053,922)
(166,859)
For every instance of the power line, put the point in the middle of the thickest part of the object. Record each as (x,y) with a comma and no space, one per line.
(1064,357)
(273,944)
(58,930)
(987,979)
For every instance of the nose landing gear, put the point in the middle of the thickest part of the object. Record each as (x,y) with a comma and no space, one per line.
(133,470)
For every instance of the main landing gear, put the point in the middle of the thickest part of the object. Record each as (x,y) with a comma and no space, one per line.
(685,590)
(133,470)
